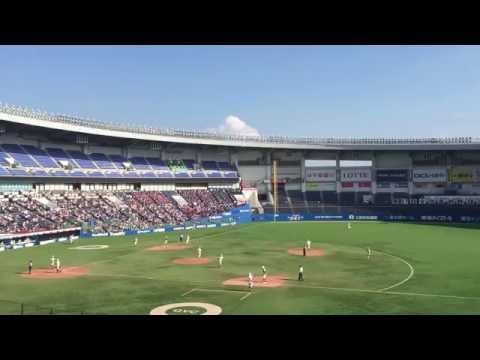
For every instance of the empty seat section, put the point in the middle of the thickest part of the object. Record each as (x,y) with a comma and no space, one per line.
(102,161)
(40,156)
(81,159)
(59,154)
(117,160)
(157,164)
(4,172)
(189,164)
(20,155)
(140,163)
(210,165)
(18,172)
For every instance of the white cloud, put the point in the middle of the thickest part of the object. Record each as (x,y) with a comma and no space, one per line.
(233,125)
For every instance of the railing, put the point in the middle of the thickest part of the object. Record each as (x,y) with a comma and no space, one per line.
(42,115)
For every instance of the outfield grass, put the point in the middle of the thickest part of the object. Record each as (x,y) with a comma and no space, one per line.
(414,269)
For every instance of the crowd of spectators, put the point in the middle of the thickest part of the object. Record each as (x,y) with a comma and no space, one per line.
(108,211)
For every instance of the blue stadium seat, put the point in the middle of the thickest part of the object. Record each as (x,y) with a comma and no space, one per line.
(59,154)
(81,159)
(157,164)
(20,155)
(102,161)
(117,160)
(4,172)
(140,163)
(40,156)
(210,165)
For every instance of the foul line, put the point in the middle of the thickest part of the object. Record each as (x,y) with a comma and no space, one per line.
(248,293)
(386,292)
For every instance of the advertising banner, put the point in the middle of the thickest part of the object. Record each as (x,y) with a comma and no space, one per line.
(319,174)
(462,174)
(430,175)
(365,184)
(355,174)
(312,186)
(392,175)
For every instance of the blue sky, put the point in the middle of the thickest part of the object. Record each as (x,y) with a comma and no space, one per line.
(277,90)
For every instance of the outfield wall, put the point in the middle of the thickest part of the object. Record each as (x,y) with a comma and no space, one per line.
(473,217)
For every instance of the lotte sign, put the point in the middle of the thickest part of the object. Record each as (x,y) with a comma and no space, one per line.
(355,175)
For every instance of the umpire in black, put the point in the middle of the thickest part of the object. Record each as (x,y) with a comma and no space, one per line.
(300,273)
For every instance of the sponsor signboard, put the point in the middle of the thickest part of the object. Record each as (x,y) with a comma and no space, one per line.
(391,175)
(201,226)
(179,228)
(355,174)
(117,233)
(143,231)
(319,174)
(462,174)
(312,186)
(364,184)
(159,230)
(62,239)
(29,244)
(100,234)
(211,225)
(45,242)
(432,175)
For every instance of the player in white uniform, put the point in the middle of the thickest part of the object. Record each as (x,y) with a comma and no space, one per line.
(349,226)
(309,244)
(52,261)
(166,240)
(369,252)
(188,239)
(135,242)
(220,260)
(181,237)
(199,251)
(250,280)
(264,271)
(58,265)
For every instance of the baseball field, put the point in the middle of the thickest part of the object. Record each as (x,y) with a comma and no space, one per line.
(411,269)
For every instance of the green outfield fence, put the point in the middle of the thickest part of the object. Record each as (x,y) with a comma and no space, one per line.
(9,307)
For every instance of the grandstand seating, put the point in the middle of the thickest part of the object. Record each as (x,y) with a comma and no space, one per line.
(140,163)
(81,159)
(40,156)
(17,152)
(59,154)
(96,211)
(157,164)
(102,161)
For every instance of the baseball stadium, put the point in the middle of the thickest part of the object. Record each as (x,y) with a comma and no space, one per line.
(105,218)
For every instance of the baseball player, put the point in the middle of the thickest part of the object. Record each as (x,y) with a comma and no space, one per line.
(369,251)
(166,240)
(52,261)
(181,237)
(349,226)
(199,251)
(188,239)
(58,265)
(220,260)
(135,241)
(250,280)
(30,266)
(264,271)
(300,273)
(309,244)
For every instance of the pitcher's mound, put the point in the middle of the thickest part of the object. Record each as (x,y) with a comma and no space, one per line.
(310,252)
(168,247)
(193,261)
(67,272)
(272,281)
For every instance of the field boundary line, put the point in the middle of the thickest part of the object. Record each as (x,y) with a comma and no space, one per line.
(188,292)
(246,296)
(412,271)
(386,292)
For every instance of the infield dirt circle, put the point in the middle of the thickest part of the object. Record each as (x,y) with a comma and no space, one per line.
(168,247)
(193,261)
(273,281)
(67,272)
(310,252)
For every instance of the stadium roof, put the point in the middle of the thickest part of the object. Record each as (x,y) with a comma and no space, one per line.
(26,116)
